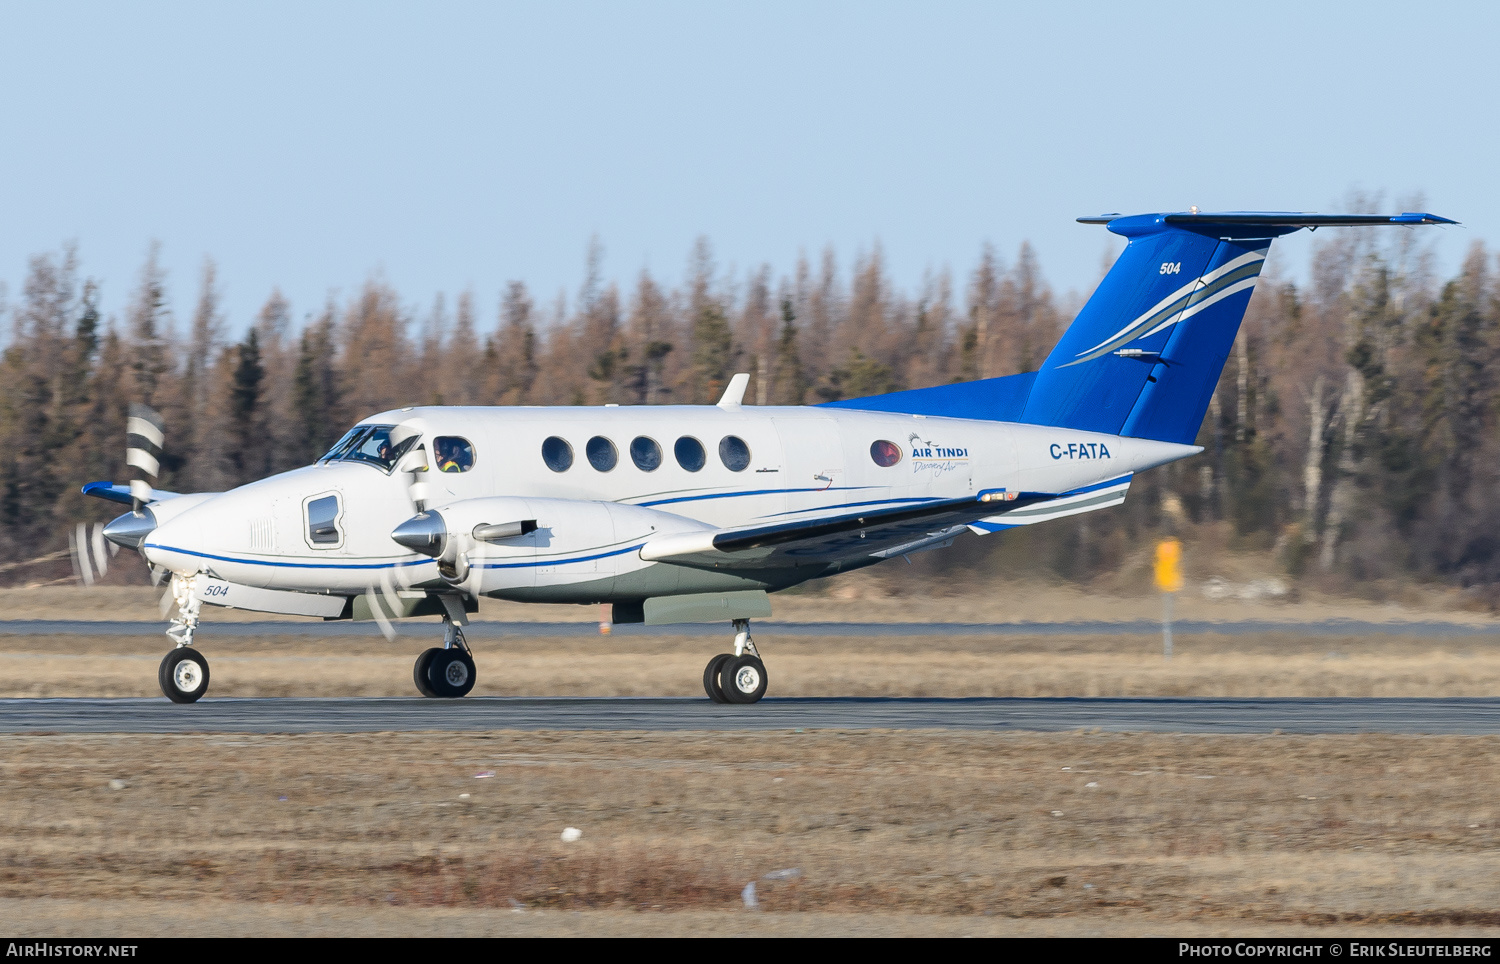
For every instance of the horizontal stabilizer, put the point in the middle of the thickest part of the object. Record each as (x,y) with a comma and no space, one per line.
(1284,221)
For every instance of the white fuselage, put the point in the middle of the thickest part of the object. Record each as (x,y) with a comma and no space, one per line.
(592,525)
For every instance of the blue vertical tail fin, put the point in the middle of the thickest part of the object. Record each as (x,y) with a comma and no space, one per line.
(1144,355)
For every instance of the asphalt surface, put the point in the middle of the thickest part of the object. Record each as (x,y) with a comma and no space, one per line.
(1468,716)
(491,630)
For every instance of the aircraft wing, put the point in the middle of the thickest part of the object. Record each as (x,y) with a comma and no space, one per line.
(114,492)
(861,537)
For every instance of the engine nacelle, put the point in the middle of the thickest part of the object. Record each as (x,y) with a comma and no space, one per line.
(500,543)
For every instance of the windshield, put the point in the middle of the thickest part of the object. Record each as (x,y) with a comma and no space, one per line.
(369,443)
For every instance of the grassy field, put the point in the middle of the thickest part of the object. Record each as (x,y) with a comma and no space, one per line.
(879,595)
(861,832)
(1272,664)
(874,833)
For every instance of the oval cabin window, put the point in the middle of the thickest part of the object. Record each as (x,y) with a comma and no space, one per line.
(645,453)
(885,454)
(689,452)
(452,454)
(602,454)
(557,454)
(734,453)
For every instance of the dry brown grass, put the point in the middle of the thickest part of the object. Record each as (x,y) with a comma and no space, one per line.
(1063,832)
(878,595)
(586,665)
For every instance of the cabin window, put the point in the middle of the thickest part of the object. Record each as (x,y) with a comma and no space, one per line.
(645,453)
(557,454)
(734,453)
(689,452)
(323,522)
(452,454)
(602,453)
(885,454)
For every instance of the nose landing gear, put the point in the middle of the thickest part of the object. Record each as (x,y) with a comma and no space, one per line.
(446,672)
(738,677)
(183,674)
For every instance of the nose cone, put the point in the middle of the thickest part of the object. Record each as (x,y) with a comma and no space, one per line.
(426,533)
(131,529)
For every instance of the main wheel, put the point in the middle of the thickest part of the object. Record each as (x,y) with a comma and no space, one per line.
(183,675)
(711,678)
(743,679)
(419,672)
(450,673)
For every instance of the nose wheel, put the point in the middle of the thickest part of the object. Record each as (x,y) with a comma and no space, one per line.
(183,675)
(737,677)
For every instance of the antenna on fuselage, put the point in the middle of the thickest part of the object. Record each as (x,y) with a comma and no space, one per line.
(734,393)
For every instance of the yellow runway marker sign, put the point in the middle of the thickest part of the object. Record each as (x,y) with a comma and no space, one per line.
(1169,565)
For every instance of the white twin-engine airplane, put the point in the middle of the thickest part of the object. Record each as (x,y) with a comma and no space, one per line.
(694,513)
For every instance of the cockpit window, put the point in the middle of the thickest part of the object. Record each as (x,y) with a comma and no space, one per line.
(372,444)
(344,443)
(453,454)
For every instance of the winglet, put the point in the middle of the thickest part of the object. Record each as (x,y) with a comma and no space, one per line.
(734,394)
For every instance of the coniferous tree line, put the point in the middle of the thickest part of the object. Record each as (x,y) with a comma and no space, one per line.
(1353,430)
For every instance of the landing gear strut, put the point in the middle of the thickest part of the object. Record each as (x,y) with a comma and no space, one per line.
(738,677)
(446,672)
(183,674)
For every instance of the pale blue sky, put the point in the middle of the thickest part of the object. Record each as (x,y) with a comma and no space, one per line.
(460,145)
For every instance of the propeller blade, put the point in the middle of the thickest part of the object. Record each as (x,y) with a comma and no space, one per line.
(147,424)
(373,597)
(73,558)
(145,435)
(101,554)
(80,543)
(165,603)
(143,460)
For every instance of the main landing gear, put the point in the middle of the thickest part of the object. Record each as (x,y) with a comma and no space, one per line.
(445,673)
(183,674)
(738,677)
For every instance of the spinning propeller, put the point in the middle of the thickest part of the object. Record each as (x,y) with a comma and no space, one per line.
(145,435)
(90,548)
(384,596)
(89,552)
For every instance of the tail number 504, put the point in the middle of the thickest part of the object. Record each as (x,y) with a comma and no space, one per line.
(1171,267)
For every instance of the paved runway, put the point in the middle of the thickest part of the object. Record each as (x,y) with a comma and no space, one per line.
(491,630)
(1470,716)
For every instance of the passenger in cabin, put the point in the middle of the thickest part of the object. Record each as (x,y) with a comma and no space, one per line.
(452,454)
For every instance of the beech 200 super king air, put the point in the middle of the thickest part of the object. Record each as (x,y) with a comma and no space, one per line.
(695,513)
